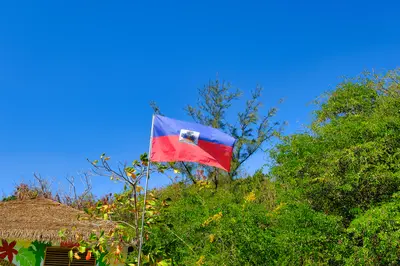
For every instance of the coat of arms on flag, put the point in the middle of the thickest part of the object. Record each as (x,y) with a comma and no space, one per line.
(188,136)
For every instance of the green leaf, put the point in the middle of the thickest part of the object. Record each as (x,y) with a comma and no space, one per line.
(61,233)
(143,157)
(38,249)
(121,226)
(25,257)
(101,259)
(82,249)
(164,263)
(151,202)
(92,236)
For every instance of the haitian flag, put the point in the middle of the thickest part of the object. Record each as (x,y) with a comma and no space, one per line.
(174,140)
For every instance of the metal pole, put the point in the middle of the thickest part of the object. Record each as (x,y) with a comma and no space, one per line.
(145,191)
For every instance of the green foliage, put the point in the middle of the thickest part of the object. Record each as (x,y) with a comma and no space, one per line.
(26,257)
(244,224)
(350,158)
(38,249)
(334,199)
(101,260)
(376,236)
(9,198)
(303,236)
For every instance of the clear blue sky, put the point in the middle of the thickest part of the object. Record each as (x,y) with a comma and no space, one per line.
(76,77)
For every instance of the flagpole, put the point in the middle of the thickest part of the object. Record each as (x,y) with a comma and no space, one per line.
(145,191)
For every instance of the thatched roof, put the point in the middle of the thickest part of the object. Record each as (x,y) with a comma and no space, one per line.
(42,219)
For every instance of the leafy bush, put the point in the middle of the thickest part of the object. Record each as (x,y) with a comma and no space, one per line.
(244,224)
(376,236)
(350,159)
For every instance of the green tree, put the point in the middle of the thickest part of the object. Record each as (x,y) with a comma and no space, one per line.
(349,159)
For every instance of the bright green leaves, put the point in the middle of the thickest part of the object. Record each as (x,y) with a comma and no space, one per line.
(244,224)
(61,233)
(302,234)
(351,159)
(166,262)
(144,159)
(81,249)
(349,99)
(349,165)
(376,235)
(25,257)
(130,171)
(38,249)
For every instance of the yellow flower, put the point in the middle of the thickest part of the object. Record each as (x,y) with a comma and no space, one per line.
(201,260)
(279,207)
(212,238)
(215,218)
(250,197)
(276,210)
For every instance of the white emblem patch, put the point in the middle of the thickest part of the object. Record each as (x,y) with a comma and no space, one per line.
(188,136)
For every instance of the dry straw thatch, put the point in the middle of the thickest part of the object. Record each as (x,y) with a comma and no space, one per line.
(41,219)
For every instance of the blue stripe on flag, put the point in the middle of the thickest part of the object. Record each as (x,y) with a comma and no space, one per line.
(164,126)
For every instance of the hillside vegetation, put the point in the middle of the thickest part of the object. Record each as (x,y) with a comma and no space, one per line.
(331,196)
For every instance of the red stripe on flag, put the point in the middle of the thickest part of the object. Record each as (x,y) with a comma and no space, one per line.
(170,149)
